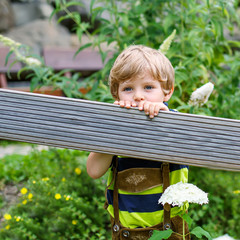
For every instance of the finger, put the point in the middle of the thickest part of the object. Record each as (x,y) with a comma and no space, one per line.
(140,105)
(152,110)
(163,107)
(121,103)
(146,108)
(134,104)
(156,110)
(127,104)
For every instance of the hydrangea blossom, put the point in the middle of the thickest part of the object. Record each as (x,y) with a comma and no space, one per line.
(201,95)
(180,193)
(224,237)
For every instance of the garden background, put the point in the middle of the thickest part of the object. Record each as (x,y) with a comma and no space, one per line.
(55,198)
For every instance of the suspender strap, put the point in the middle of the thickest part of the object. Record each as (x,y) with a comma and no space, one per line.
(114,167)
(166,207)
(116,224)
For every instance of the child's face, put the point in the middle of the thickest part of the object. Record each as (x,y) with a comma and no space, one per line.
(141,89)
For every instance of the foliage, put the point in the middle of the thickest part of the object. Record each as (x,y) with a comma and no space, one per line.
(159,235)
(57,199)
(48,173)
(222,214)
(200,52)
(38,72)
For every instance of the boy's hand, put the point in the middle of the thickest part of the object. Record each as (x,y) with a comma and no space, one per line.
(150,108)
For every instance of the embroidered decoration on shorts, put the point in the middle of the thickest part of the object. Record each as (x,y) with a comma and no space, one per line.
(138,238)
(135,179)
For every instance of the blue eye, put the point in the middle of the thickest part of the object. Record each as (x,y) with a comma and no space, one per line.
(148,87)
(127,89)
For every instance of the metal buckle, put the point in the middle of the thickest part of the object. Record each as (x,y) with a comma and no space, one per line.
(167,226)
(126,233)
(115,228)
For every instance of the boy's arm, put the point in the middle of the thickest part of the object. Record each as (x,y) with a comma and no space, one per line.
(98,164)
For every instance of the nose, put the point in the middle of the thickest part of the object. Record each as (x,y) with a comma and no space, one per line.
(139,96)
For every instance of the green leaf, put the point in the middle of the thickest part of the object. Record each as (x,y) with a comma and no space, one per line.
(125,19)
(11,65)
(63,18)
(91,5)
(187,219)
(34,83)
(58,3)
(199,232)
(74,4)
(82,47)
(7,57)
(158,235)
(54,12)
(76,17)
(234,43)
(21,71)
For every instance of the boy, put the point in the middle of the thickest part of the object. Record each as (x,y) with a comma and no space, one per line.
(144,78)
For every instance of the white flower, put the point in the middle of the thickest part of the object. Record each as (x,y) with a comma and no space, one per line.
(167,42)
(32,61)
(180,193)
(201,95)
(224,237)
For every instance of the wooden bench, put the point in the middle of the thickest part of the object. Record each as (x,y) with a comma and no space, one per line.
(86,62)
(101,127)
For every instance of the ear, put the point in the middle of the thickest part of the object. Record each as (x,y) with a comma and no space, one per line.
(168,96)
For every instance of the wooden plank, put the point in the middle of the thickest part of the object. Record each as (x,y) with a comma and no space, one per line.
(63,58)
(93,126)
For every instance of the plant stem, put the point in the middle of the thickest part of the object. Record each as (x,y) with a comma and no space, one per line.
(183,230)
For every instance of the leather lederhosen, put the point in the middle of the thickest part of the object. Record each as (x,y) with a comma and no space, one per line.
(152,177)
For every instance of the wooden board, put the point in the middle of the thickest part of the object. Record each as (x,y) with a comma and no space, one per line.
(101,127)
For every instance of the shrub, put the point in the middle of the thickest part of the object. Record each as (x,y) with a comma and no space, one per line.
(200,52)
(58,201)
(222,214)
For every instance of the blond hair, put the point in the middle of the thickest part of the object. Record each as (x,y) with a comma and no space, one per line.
(135,61)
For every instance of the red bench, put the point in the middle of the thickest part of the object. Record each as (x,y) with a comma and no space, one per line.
(86,62)
(63,58)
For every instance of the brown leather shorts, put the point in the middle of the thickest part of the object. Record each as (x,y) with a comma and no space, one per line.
(122,233)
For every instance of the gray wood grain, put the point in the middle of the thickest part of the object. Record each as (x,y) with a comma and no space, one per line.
(93,126)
